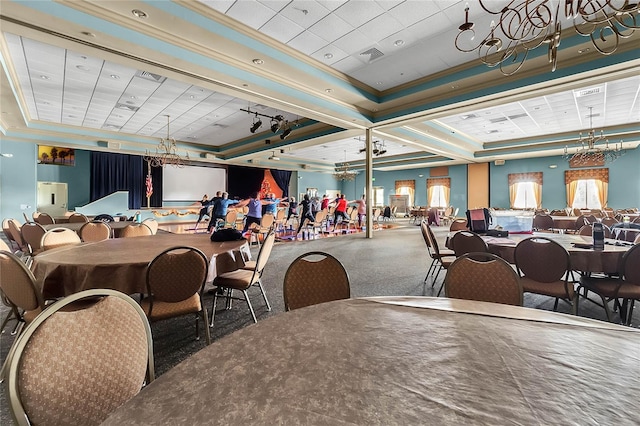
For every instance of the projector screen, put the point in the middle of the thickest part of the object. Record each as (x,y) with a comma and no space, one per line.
(188,184)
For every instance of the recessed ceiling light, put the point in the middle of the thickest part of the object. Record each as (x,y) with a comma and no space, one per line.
(328,90)
(139,13)
(88,34)
(191,97)
(83,68)
(245,85)
(585,50)
(398,43)
(258,61)
(133,97)
(328,55)
(115,76)
(553,166)
(454,87)
(45,77)
(379,83)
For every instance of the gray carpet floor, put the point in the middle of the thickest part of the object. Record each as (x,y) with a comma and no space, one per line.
(394,262)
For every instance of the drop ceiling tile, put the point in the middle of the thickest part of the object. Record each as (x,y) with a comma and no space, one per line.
(275,5)
(331,28)
(357,13)
(251,13)
(305,13)
(219,5)
(281,29)
(331,4)
(410,12)
(349,64)
(353,43)
(380,27)
(307,42)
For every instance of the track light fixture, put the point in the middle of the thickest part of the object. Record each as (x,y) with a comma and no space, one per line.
(278,123)
(286,132)
(257,123)
(378,148)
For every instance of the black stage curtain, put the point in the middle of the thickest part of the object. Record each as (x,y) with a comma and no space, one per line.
(282,178)
(244,182)
(156,179)
(117,172)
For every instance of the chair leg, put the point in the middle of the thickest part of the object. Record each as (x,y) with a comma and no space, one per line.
(574,303)
(213,308)
(630,313)
(205,321)
(555,305)
(246,297)
(264,295)
(607,310)
(435,277)
(433,261)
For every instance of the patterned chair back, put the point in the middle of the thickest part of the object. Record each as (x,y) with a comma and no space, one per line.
(95,231)
(58,237)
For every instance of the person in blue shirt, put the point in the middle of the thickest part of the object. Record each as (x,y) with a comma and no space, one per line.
(254,215)
(220,207)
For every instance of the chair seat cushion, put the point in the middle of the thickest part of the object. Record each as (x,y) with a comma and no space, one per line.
(607,287)
(240,279)
(447,252)
(162,310)
(249,265)
(554,289)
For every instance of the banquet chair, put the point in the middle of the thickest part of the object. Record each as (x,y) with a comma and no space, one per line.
(543,223)
(135,230)
(32,233)
(231,219)
(175,280)
(446,216)
(266,225)
(609,221)
(312,278)
(4,246)
(79,360)
(442,258)
(16,237)
(8,235)
(585,230)
(243,279)
(544,267)
(464,242)
(458,225)
(626,286)
(104,217)
(484,277)
(320,220)
(94,231)
(43,218)
(280,219)
(19,290)
(58,237)
(78,218)
(152,224)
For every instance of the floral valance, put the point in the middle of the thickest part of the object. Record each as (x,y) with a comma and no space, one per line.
(598,174)
(446,182)
(535,177)
(405,183)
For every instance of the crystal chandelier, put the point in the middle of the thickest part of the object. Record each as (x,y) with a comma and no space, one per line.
(523,25)
(587,153)
(166,153)
(342,172)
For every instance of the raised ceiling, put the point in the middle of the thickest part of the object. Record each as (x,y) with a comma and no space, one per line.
(85,73)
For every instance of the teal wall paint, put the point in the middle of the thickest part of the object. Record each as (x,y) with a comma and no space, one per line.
(17,179)
(624,180)
(322,181)
(76,177)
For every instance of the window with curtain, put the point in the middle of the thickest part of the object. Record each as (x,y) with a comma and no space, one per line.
(587,188)
(525,190)
(406,187)
(587,195)
(438,192)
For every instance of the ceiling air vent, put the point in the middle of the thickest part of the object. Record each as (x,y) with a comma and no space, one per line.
(498,120)
(513,117)
(589,91)
(373,54)
(151,76)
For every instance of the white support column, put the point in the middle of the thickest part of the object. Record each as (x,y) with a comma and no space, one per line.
(369,183)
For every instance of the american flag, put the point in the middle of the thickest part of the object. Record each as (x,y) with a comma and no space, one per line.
(149,184)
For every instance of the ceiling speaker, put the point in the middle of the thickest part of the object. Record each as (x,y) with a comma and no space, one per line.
(499,162)
(113,145)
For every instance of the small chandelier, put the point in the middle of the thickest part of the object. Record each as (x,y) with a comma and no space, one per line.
(343,173)
(166,153)
(588,154)
(524,25)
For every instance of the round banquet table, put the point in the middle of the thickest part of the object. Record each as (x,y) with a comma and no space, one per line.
(121,263)
(116,227)
(564,222)
(403,361)
(582,259)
